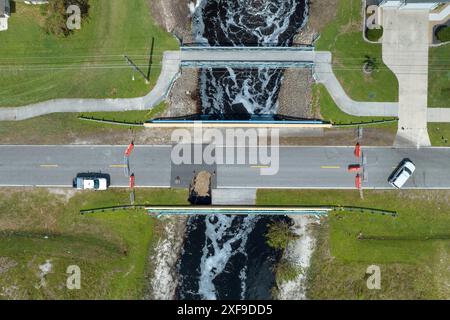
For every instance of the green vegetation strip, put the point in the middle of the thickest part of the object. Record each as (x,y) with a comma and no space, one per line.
(344,38)
(332,113)
(412,250)
(111,249)
(439,77)
(88,63)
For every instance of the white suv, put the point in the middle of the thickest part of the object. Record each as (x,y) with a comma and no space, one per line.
(95,182)
(402,174)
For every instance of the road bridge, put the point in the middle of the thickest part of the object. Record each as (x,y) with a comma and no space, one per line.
(247,57)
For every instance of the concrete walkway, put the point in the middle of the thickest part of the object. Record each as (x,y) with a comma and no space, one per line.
(323,73)
(169,72)
(405,52)
(172,61)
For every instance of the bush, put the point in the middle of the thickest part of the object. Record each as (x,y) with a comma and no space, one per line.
(443,33)
(374,34)
(56,21)
(286,271)
(279,235)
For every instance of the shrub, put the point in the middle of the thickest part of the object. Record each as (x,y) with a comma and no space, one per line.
(286,271)
(279,235)
(443,33)
(374,34)
(56,20)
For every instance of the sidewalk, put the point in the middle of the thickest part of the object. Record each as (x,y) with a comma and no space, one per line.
(170,69)
(323,73)
(405,52)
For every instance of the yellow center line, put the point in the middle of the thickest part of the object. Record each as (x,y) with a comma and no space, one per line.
(49,165)
(260,166)
(330,167)
(118,166)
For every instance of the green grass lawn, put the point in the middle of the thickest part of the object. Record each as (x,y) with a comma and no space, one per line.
(439,134)
(129,116)
(412,250)
(61,128)
(87,64)
(110,248)
(343,37)
(439,77)
(331,112)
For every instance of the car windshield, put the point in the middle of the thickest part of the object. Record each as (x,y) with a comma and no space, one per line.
(96,184)
(408,171)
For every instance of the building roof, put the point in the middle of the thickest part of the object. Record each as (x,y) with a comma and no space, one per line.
(4,7)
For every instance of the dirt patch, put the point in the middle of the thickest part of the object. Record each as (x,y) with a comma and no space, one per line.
(295,95)
(345,137)
(174,16)
(65,193)
(200,190)
(321,13)
(201,184)
(164,258)
(184,96)
(6,264)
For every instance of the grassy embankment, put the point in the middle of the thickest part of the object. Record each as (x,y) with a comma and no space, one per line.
(88,63)
(114,28)
(439,92)
(110,248)
(343,37)
(60,128)
(412,250)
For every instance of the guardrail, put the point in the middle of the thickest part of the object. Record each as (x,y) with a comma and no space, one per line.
(364,123)
(113,121)
(200,46)
(207,210)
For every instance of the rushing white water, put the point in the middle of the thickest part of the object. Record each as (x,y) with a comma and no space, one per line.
(216,263)
(240,93)
(220,245)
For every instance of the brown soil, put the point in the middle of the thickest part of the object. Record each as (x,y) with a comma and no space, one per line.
(345,137)
(202,184)
(295,93)
(173,16)
(183,98)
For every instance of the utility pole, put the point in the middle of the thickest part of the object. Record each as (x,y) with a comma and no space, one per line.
(136,68)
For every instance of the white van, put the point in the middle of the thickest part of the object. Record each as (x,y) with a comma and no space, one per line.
(404,171)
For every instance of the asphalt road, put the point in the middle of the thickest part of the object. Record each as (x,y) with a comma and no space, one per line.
(299,167)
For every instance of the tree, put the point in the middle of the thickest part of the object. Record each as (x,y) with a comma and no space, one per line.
(443,34)
(370,64)
(56,21)
(279,235)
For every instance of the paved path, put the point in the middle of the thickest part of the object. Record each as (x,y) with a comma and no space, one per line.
(405,52)
(300,167)
(172,60)
(169,72)
(323,73)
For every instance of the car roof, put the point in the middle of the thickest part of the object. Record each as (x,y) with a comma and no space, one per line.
(401,178)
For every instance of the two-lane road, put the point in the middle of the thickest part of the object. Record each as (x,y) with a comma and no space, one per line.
(299,167)
(58,165)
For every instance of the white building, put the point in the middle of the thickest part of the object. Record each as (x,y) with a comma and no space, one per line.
(412,4)
(5,11)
